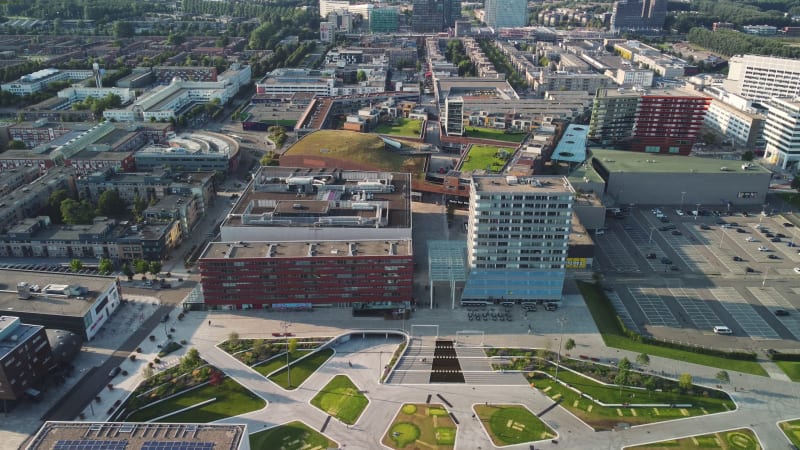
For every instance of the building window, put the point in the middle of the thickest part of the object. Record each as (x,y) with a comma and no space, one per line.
(652,149)
(747,194)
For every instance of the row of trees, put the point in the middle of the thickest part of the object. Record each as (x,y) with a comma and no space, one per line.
(141,266)
(500,63)
(105,266)
(98,105)
(730,43)
(455,53)
(105,11)
(61,208)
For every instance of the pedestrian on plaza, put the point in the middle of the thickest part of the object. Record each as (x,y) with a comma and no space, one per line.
(209,323)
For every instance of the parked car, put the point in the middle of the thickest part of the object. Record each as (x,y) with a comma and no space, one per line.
(676,232)
(788,224)
(763,249)
(737,258)
(750,239)
(797,270)
(749,270)
(720,329)
(114,372)
(741,230)
(775,239)
(705,227)
(781,312)
(651,256)
(772,256)
(666,261)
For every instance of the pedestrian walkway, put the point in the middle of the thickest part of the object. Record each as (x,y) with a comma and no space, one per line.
(774,371)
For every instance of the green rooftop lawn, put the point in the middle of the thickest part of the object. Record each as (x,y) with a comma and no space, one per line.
(607,322)
(625,161)
(291,436)
(742,439)
(485,157)
(232,399)
(301,370)
(402,127)
(512,424)
(421,426)
(360,148)
(494,133)
(341,399)
(792,369)
(792,430)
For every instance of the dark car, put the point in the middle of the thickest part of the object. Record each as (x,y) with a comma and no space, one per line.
(114,372)
(666,261)
(734,224)
(781,312)
(780,235)
(664,219)
(676,232)
(749,270)
(705,227)
(741,230)
(773,256)
(651,256)
(768,234)
(737,258)
(668,227)
(788,224)
(775,239)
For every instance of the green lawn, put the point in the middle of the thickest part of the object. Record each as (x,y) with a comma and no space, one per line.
(485,157)
(792,369)
(278,362)
(418,426)
(302,370)
(606,319)
(232,399)
(742,439)
(792,430)
(291,436)
(404,127)
(792,199)
(604,418)
(341,399)
(493,133)
(512,424)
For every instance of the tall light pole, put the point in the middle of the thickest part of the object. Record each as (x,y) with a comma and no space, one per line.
(764,281)
(285,324)
(380,367)
(561,321)
(683,196)
(722,237)
(697,211)
(650,241)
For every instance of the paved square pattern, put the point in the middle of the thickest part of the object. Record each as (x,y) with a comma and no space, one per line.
(744,314)
(653,307)
(772,299)
(620,259)
(697,309)
(622,312)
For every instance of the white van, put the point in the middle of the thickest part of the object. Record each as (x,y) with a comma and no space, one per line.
(722,330)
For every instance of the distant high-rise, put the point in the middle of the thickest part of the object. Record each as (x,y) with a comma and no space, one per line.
(383,20)
(762,77)
(639,15)
(781,131)
(506,13)
(432,16)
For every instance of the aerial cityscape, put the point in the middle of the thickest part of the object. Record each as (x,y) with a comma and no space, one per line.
(405,225)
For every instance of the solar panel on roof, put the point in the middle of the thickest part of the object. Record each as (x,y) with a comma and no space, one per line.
(177,445)
(90,444)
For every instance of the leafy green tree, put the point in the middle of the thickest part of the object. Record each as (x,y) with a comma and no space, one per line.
(292,345)
(139,205)
(126,270)
(748,155)
(643,359)
(111,204)
(154,267)
(723,377)
(650,385)
(16,145)
(141,266)
(74,212)
(361,76)
(570,344)
(53,208)
(796,183)
(685,381)
(122,29)
(233,337)
(105,266)
(190,360)
(624,364)
(76,265)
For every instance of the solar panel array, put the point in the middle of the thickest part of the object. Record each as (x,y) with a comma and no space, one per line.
(90,444)
(177,445)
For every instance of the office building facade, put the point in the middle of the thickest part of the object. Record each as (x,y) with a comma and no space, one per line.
(517,238)
(782,133)
(506,13)
(383,20)
(433,16)
(763,77)
(638,15)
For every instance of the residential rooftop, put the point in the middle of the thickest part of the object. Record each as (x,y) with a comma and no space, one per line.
(626,161)
(44,303)
(311,249)
(13,333)
(287,197)
(136,436)
(510,183)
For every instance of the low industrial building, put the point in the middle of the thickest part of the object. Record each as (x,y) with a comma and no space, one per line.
(77,303)
(673,180)
(28,200)
(199,151)
(25,357)
(139,436)
(36,81)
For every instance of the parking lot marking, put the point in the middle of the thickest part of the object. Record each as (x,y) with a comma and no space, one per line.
(641,238)
(772,299)
(744,313)
(622,312)
(697,309)
(616,253)
(653,307)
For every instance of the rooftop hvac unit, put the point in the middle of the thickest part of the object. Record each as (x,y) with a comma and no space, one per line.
(23,290)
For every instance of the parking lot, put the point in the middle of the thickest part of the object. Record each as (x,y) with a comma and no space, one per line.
(694,273)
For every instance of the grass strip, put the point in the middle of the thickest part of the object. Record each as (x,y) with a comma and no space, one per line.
(302,370)
(341,399)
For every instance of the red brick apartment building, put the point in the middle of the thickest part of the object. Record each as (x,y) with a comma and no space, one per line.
(25,357)
(668,123)
(244,275)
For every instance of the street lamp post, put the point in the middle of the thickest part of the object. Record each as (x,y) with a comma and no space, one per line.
(285,324)
(764,281)
(652,229)
(380,367)
(722,237)
(683,196)
(697,211)
(561,321)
